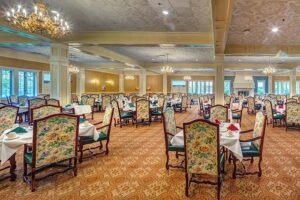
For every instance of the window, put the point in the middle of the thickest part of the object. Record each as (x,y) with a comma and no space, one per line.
(200,87)
(46,77)
(282,87)
(27,83)
(178,83)
(227,87)
(297,87)
(261,87)
(6,82)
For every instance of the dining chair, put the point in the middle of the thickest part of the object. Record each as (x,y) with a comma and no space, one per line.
(202,154)
(291,100)
(55,141)
(47,96)
(74,98)
(53,102)
(91,102)
(44,111)
(106,99)
(34,103)
(201,107)
(158,112)
(183,105)
(272,116)
(103,135)
(217,112)
(22,100)
(170,130)
(120,117)
(237,115)
(292,116)
(142,114)
(252,148)
(251,105)
(84,99)
(227,100)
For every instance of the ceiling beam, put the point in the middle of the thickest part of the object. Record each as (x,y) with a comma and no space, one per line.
(140,38)
(9,53)
(222,12)
(180,65)
(108,54)
(255,50)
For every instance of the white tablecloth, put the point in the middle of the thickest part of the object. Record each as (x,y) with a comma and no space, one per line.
(132,109)
(9,147)
(231,143)
(80,109)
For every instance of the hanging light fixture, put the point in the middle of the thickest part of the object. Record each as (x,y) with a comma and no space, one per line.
(129,77)
(38,20)
(73,69)
(187,78)
(269,70)
(167,68)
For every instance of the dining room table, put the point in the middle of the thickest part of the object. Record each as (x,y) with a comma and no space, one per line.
(79,109)
(228,139)
(8,147)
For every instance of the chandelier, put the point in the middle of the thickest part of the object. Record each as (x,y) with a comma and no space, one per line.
(73,69)
(167,68)
(187,78)
(38,20)
(269,70)
(129,77)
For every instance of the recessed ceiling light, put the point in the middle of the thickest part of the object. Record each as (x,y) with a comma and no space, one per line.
(165,12)
(275,30)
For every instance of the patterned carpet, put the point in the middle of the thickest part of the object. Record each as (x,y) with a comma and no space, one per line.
(135,169)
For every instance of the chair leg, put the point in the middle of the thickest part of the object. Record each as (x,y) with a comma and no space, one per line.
(101,145)
(81,152)
(234,167)
(252,160)
(259,168)
(167,162)
(75,166)
(187,184)
(33,180)
(12,168)
(106,146)
(219,189)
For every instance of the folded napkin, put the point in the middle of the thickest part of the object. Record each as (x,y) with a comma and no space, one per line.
(232,127)
(81,120)
(18,130)
(217,121)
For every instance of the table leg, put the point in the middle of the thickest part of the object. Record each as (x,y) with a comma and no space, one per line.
(12,161)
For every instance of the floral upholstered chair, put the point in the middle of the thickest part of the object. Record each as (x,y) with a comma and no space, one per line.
(272,116)
(106,99)
(34,103)
(22,100)
(202,153)
(142,114)
(170,130)
(227,100)
(54,141)
(44,111)
(53,102)
(218,112)
(292,115)
(120,117)
(8,117)
(84,99)
(91,102)
(103,135)
(158,112)
(183,105)
(253,147)
(291,100)
(251,105)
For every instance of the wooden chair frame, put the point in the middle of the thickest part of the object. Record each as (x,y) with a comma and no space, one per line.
(55,100)
(35,170)
(122,121)
(189,180)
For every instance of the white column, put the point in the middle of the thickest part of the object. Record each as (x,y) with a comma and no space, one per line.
(60,77)
(121,83)
(142,82)
(165,83)
(293,77)
(80,83)
(16,83)
(270,84)
(219,84)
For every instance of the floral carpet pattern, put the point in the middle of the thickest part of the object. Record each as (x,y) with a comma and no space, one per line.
(135,169)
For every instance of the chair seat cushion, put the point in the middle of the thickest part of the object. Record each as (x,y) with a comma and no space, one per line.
(126,115)
(28,158)
(278,116)
(249,150)
(156,113)
(236,116)
(178,148)
(90,139)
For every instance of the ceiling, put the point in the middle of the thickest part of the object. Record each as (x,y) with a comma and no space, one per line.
(253,20)
(242,28)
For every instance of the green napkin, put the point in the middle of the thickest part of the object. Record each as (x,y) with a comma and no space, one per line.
(81,120)
(131,105)
(19,130)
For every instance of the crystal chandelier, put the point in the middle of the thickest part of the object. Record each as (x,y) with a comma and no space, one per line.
(38,20)
(73,69)
(129,77)
(187,78)
(269,70)
(167,68)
